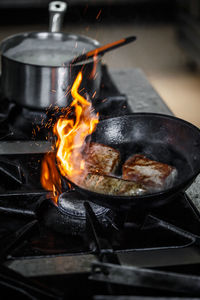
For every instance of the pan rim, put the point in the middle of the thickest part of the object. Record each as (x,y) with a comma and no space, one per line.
(155,115)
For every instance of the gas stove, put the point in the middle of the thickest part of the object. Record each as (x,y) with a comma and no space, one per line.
(78,249)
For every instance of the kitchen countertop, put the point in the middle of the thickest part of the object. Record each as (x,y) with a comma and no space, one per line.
(143,98)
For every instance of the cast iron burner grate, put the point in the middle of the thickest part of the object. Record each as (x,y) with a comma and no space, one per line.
(26,236)
(158,229)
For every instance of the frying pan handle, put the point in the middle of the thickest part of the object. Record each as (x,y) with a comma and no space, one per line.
(56,13)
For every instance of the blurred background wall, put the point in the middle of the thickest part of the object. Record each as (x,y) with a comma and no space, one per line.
(167,47)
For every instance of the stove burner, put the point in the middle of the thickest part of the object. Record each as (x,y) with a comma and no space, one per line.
(69,216)
(74,207)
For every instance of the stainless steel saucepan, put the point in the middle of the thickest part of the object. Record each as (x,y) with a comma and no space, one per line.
(33,70)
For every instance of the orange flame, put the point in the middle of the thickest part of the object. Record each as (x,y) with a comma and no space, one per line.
(71,134)
(50,178)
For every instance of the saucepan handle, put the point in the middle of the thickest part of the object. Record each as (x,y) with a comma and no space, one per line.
(56,13)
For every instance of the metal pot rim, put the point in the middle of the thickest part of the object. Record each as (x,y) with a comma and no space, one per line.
(44,35)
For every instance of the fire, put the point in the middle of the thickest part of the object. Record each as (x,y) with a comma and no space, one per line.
(50,178)
(71,130)
(72,133)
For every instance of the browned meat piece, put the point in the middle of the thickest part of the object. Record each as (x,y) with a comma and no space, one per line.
(155,176)
(110,185)
(102,159)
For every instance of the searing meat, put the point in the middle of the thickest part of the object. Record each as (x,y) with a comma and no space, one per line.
(102,159)
(155,176)
(110,185)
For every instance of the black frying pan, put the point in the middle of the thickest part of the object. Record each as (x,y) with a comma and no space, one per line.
(160,137)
